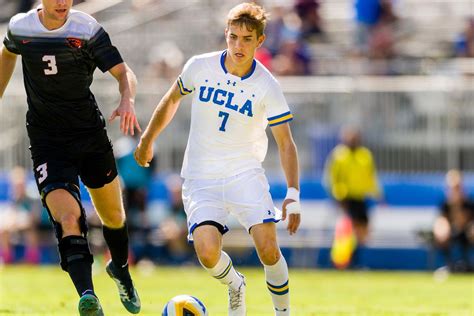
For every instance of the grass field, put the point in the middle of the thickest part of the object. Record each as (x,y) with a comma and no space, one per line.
(26,290)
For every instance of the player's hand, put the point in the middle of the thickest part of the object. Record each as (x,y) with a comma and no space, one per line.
(294,219)
(143,154)
(128,119)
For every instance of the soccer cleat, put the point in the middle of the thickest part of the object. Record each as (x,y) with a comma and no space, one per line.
(237,300)
(89,305)
(128,293)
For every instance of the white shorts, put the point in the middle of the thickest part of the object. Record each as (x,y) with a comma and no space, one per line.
(245,195)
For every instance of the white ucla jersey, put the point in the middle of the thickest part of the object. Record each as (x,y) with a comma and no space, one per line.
(229,116)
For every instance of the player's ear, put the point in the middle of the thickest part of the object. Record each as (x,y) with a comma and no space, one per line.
(260,40)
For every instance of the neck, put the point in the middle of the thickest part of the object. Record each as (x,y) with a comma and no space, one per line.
(48,23)
(237,70)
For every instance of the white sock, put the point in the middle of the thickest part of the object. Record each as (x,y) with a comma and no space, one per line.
(277,283)
(224,272)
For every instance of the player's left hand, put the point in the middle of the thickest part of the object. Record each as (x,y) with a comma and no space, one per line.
(128,119)
(294,216)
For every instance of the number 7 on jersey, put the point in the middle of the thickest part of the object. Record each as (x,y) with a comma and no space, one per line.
(225,116)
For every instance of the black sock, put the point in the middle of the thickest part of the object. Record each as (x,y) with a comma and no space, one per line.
(117,241)
(81,275)
(76,259)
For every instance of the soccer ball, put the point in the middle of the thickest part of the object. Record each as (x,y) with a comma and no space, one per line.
(184,305)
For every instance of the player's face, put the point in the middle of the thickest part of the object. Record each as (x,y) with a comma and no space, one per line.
(56,10)
(242,44)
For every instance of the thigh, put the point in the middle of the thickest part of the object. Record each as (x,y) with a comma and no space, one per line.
(107,201)
(97,165)
(62,203)
(53,163)
(55,170)
(249,198)
(203,203)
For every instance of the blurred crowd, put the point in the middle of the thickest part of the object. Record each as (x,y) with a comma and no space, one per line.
(296,34)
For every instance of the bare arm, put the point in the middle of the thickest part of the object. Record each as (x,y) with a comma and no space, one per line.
(162,116)
(126,109)
(289,163)
(7,65)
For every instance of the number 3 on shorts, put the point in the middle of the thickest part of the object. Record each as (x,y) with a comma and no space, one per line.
(42,171)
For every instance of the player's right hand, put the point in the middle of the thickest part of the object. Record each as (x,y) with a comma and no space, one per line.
(143,154)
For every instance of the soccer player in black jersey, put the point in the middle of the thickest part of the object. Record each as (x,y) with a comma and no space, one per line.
(60,49)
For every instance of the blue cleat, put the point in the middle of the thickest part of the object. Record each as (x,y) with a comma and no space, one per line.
(89,305)
(128,293)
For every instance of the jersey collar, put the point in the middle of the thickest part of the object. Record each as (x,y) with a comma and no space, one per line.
(252,69)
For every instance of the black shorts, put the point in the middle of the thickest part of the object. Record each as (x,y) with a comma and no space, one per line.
(357,210)
(57,158)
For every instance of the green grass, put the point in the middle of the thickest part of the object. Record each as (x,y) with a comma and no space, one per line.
(26,290)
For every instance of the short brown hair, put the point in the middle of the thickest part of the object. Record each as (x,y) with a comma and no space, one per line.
(251,15)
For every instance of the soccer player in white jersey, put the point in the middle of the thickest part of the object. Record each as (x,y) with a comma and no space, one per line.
(234,99)
(60,50)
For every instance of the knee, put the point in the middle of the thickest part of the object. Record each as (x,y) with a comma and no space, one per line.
(269,254)
(69,222)
(114,218)
(208,254)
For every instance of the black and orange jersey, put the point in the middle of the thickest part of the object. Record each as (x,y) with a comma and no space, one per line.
(58,67)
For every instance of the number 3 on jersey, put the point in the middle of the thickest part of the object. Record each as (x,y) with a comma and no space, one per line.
(52,68)
(225,116)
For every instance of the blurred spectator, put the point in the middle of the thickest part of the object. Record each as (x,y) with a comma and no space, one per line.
(165,60)
(136,181)
(374,33)
(264,56)
(284,51)
(308,11)
(20,220)
(464,44)
(454,226)
(173,229)
(274,30)
(293,59)
(351,179)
